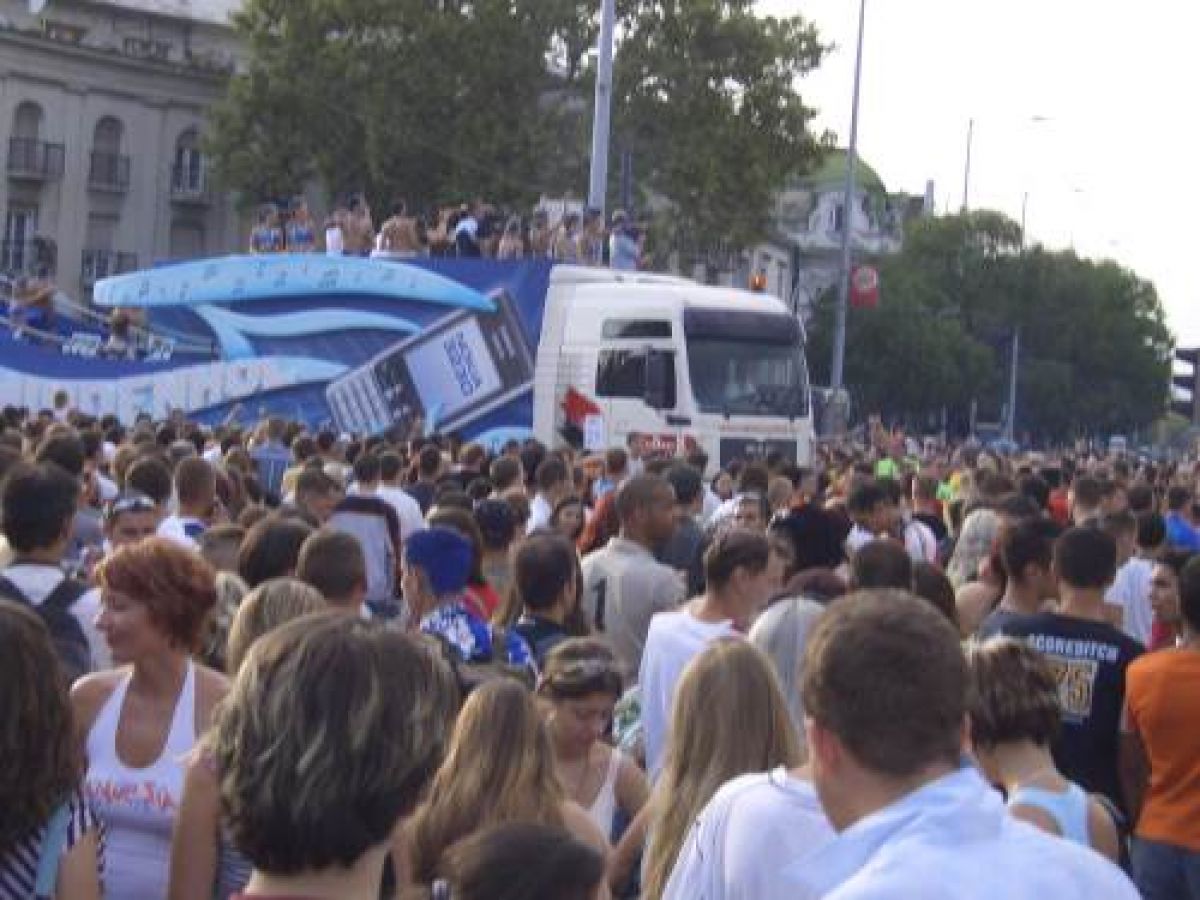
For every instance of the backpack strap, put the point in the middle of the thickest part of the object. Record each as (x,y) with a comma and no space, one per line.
(53,844)
(64,595)
(12,592)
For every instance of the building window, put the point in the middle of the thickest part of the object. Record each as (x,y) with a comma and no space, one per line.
(188,172)
(27,121)
(17,252)
(109,168)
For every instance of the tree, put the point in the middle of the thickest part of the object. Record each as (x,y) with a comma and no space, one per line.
(427,99)
(705,97)
(1095,350)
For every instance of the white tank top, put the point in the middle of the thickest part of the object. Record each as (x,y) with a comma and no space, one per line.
(138,806)
(604,808)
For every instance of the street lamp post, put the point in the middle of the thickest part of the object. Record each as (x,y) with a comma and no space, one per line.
(1010,420)
(601,115)
(839,335)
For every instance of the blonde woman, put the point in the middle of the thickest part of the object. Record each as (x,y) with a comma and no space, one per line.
(202,866)
(310,802)
(500,768)
(729,718)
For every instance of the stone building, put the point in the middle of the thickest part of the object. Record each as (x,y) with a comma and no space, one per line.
(102,113)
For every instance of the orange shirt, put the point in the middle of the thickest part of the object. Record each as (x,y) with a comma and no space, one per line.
(1162,694)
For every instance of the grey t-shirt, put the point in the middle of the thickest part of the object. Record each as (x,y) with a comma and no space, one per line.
(623,587)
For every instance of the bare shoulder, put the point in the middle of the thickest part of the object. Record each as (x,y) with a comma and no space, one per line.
(1036,817)
(1103,830)
(973,601)
(90,692)
(631,781)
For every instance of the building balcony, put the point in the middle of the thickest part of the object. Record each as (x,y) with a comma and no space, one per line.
(32,160)
(108,172)
(99,264)
(190,186)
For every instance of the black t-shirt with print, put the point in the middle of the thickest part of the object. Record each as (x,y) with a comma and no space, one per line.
(1089,660)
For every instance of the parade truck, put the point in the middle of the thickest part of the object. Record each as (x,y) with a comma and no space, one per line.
(491,350)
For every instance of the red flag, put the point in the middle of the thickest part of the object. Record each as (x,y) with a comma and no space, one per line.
(577,407)
(864,288)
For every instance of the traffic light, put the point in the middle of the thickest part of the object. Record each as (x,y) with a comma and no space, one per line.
(1185,384)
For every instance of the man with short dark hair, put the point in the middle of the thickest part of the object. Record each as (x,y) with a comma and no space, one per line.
(196,499)
(429,467)
(1085,499)
(391,467)
(738,585)
(683,551)
(1026,553)
(867,506)
(317,495)
(1128,600)
(506,474)
(879,565)
(36,513)
(616,470)
(374,523)
(1089,657)
(150,477)
(553,482)
(624,585)
(332,561)
(885,697)
(544,567)
(129,519)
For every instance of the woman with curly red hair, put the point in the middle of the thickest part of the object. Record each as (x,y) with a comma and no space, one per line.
(141,720)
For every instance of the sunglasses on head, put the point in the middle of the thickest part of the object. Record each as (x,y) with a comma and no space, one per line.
(131,503)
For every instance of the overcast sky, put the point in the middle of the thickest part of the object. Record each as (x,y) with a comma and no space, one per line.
(1112,170)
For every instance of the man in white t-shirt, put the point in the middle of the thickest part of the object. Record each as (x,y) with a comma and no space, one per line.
(739,582)
(868,508)
(196,497)
(1128,599)
(553,480)
(391,468)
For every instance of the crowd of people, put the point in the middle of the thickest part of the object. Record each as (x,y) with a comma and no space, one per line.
(269,663)
(474,229)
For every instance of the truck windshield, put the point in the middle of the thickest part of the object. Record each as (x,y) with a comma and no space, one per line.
(746,363)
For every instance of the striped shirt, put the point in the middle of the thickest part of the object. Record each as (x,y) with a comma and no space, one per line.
(19,864)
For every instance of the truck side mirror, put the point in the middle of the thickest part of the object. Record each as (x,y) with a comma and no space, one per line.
(657,373)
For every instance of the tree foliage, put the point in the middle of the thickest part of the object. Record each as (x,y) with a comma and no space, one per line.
(447,99)
(705,98)
(429,99)
(1095,350)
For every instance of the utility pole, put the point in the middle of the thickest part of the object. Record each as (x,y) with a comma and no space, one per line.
(967,167)
(1010,426)
(601,115)
(836,378)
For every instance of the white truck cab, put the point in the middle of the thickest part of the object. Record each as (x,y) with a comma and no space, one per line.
(682,364)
